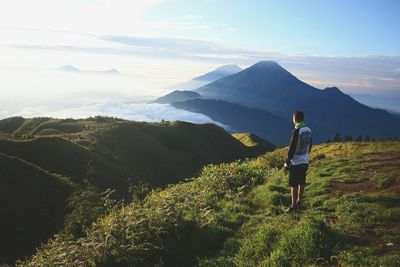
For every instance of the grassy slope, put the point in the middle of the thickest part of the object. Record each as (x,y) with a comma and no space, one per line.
(33,203)
(61,156)
(156,153)
(106,152)
(232,215)
(257,144)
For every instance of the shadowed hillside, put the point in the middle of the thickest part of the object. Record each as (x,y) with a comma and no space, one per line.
(33,205)
(50,164)
(242,119)
(233,215)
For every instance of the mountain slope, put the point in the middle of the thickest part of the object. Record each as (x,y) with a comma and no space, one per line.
(251,140)
(33,205)
(101,148)
(176,96)
(206,78)
(45,161)
(233,215)
(242,119)
(268,86)
(219,73)
(63,157)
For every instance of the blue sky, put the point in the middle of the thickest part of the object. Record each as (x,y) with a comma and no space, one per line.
(316,27)
(353,45)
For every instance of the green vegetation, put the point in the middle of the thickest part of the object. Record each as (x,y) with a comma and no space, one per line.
(61,175)
(232,214)
(258,144)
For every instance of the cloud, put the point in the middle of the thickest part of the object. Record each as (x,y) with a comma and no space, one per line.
(137,111)
(194,16)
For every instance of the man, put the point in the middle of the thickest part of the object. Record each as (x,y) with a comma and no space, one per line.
(297,160)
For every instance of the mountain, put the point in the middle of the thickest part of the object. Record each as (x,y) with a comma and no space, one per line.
(112,71)
(266,85)
(47,163)
(70,68)
(219,73)
(176,96)
(233,215)
(204,79)
(239,118)
(389,103)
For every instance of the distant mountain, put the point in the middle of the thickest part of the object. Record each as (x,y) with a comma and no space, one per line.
(242,119)
(389,103)
(219,73)
(176,96)
(266,85)
(70,68)
(204,79)
(111,71)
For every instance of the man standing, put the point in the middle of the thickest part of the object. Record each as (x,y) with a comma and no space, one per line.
(297,160)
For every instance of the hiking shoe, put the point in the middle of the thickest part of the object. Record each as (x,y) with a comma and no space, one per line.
(300,206)
(291,208)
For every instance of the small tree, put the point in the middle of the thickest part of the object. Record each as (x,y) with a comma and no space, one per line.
(367,138)
(348,138)
(337,138)
(359,138)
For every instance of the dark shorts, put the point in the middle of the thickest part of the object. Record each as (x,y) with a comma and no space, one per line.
(297,174)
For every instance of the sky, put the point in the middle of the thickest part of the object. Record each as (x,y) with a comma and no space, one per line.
(156,43)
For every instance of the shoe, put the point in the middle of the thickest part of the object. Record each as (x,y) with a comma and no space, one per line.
(300,206)
(291,208)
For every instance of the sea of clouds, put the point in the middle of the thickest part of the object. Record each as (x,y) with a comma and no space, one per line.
(81,95)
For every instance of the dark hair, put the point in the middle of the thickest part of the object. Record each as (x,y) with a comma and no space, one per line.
(299,116)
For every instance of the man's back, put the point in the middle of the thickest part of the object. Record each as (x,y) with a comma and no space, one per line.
(300,145)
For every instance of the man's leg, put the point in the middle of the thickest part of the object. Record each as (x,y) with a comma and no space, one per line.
(300,194)
(294,192)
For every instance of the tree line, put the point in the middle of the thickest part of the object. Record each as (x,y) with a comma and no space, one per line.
(360,138)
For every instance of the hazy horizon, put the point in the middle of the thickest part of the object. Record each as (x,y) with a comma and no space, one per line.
(157,43)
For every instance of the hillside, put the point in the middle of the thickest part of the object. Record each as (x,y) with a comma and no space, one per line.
(242,119)
(268,86)
(54,170)
(255,142)
(100,148)
(33,205)
(232,215)
(176,96)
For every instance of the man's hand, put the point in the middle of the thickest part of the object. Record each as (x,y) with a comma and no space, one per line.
(286,165)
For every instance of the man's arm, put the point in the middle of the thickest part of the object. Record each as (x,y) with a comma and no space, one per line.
(293,144)
(310,144)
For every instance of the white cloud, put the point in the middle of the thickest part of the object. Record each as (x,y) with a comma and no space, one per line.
(137,112)
(95,16)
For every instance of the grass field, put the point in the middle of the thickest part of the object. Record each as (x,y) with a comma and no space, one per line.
(60,175)
(233,215)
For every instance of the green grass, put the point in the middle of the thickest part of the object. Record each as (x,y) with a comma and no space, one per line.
(107,153)
(232,214)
